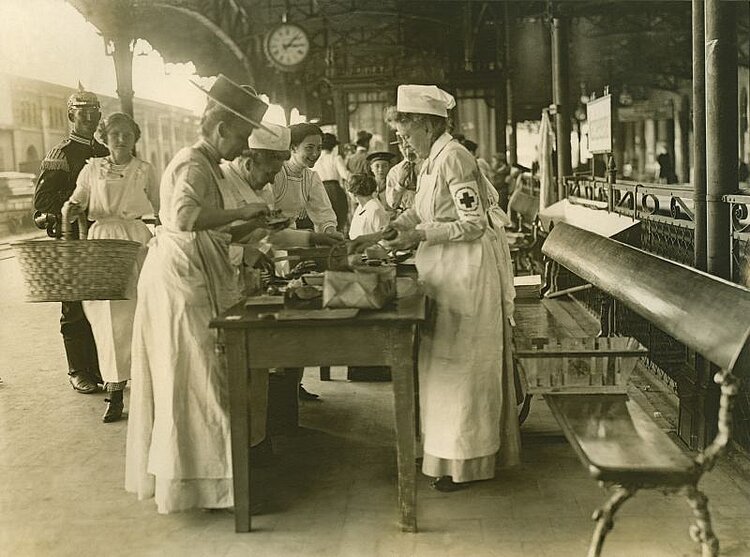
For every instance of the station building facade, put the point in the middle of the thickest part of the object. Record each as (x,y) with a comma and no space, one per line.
(33,118)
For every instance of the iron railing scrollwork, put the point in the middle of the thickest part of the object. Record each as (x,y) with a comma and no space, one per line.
(667,229)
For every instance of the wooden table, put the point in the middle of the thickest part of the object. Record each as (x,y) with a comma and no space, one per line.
(385,337)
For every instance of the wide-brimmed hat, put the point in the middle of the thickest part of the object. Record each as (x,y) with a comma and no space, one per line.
(241,100)
(380,156)
(271,138)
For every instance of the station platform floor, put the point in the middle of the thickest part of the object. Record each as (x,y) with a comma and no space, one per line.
(331,491)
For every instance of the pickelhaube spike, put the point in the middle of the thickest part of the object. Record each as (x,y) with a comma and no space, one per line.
(83,98)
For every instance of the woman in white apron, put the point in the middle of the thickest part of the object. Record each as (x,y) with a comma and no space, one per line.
(178,443)
(467,400)
(117,190)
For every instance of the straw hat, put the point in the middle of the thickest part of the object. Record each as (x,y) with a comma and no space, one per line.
(241,100)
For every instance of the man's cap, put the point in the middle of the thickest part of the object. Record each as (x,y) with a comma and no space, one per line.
(83,99)
(271,137)
(241,100)
(380,156)
(424,99)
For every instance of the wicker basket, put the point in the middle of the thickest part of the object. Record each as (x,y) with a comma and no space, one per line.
(69,270)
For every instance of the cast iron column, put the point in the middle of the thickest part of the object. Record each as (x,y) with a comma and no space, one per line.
(512,145)
(341,108)
(501,116)
(699,135)
(122,55)
(721,130)
(560,99)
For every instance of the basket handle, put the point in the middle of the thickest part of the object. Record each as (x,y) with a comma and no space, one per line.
(67,228)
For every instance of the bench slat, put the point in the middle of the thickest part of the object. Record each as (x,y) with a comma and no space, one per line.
(560,318)
(618,442)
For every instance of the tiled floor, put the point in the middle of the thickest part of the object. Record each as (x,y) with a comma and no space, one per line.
(332,492)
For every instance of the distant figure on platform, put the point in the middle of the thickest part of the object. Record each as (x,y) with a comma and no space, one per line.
(743,173)
(332,171)
(370,215)
(484,166)
(57,180)
(667,173)
(501,177)
(117,191)
(380,164)
(357,163)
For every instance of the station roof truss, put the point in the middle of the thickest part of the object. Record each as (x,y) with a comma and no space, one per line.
(377,44)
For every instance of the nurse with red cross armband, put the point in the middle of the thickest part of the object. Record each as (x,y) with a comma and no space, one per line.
(467,399)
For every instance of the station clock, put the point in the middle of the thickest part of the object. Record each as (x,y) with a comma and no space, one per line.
(287,46)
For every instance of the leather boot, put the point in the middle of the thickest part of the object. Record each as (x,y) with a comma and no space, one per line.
(82,383)
(114,407)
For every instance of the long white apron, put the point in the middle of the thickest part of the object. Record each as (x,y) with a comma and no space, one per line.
(178,443)
(466,397)
(116,201)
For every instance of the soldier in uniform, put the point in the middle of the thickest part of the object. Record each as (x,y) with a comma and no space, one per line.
(57,180)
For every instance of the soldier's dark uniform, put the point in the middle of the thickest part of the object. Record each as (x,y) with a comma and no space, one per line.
(57,180)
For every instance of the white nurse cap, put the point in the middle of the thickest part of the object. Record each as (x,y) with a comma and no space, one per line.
(424,99)
(277,138)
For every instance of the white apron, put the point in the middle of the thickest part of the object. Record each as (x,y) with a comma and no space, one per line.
(466,397)
(178,449)
(115,203)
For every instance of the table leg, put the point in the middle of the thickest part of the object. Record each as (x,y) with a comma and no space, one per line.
(239,373)
(403,370)
(325,373)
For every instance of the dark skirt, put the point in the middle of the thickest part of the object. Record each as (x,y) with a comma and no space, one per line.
(339,202)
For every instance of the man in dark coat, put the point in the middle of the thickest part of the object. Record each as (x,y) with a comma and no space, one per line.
(57,180)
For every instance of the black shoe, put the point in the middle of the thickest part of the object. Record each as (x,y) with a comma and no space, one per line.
(446,484)
(82,382)
(304,395)
(114,407)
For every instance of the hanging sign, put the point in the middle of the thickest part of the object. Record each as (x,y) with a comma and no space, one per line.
(599,118)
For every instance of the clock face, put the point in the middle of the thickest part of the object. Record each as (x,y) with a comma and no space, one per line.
(287,45)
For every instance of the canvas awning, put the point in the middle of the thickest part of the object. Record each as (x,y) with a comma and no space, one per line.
(599,221)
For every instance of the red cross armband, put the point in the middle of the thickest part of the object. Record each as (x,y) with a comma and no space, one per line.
(466,200)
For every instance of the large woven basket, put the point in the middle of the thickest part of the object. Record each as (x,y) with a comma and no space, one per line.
(69,270)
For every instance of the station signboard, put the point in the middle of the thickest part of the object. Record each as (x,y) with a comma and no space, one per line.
(599,117)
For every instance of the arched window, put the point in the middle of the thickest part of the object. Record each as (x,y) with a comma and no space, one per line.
(32,154)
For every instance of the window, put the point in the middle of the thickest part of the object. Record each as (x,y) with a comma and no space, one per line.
(32,154)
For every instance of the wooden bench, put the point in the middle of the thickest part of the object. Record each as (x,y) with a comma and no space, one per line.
(617,442)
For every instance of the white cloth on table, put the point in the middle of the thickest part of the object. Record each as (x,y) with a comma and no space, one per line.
(467,399)
(116,196)
(178,442)
(367,219)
